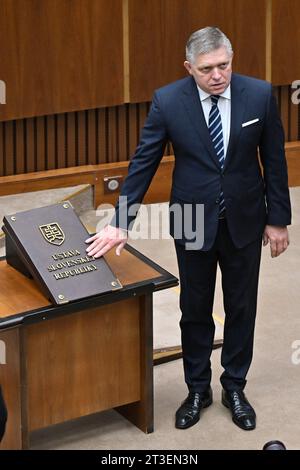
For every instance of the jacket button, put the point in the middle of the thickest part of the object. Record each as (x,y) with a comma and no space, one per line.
(218,201)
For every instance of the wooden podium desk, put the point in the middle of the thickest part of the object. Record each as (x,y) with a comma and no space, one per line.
(67,361)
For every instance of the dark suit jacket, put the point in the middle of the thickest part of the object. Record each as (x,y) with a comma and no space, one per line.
(251,200)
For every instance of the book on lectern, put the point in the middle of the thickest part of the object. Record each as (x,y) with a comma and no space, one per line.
(48,244)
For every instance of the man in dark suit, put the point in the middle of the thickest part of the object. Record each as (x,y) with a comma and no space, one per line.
(217,122)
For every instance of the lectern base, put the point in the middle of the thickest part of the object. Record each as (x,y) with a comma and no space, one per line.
(64,362)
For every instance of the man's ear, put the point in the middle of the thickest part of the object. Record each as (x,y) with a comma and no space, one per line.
(188,66)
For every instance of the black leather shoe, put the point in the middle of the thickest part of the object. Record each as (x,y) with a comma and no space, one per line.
(243,415)
(188,413)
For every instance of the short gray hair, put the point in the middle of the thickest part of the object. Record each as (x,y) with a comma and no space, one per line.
(206,40)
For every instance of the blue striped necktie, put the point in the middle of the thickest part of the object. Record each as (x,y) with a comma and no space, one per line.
(216,133)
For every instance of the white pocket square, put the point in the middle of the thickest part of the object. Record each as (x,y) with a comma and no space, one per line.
(250,122)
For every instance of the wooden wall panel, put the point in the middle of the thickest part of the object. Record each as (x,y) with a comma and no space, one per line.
(285,41)
(159,30)
(60,55)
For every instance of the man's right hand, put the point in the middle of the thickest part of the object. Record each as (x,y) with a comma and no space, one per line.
(105,240)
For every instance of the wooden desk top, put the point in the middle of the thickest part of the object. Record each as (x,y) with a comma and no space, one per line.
(19,294)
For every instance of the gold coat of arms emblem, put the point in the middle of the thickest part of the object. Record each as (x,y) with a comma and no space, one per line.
(52,233)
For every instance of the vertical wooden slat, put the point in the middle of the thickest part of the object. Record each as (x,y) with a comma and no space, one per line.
(35,141)
(92,157)
(294,125)
(20,154)
(133,129)
(276,91)
(298,121)
(40,144)
(122,151)
(61,147)
(30,147)
(142,117)
(112,134)
(2,148)
(96,135)
(71,140)
(50,142)
(81,134)
(284,109)
(9,149)
(101,133)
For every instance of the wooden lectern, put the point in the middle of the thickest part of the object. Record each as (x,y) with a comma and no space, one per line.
(61,362)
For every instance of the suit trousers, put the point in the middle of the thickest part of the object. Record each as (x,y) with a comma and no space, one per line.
(240,271)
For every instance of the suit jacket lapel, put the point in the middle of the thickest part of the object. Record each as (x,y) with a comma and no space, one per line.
(194,109)
(238,108)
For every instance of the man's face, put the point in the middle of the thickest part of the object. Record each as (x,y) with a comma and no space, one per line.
(212,71)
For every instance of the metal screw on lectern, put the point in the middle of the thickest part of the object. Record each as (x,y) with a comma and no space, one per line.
(114,283)
(66,206)
(13,218)
(61,297)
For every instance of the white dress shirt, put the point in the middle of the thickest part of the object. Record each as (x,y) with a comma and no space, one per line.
(224,105)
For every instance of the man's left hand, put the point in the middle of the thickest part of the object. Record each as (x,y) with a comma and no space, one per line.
(278,238)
